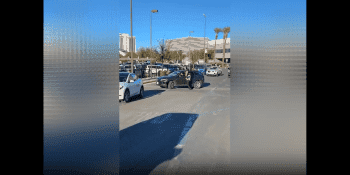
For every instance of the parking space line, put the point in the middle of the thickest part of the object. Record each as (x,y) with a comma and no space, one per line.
(190,123)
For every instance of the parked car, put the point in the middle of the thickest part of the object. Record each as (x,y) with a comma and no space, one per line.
(143,70)
(129,86)
(154,69)
(214,71)
(137,70)
(201,68)
(121,68)
(208,66)
(171,67)
(178,78)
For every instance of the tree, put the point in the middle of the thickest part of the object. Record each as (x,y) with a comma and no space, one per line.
(217,31)
(168,55)
(179,55)
(226,31)
(134,55)
(162,49)
(193,56)
(151,52)
(142,52)
(174,56)
(211,54)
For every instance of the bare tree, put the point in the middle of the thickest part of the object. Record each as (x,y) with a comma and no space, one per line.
(162,50)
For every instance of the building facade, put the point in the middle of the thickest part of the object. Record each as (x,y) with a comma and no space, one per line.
(196,43)
(126,44)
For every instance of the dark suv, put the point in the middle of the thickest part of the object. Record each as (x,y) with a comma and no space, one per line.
(177,79)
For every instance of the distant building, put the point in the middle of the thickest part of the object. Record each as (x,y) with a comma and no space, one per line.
(127,44)
(196,43)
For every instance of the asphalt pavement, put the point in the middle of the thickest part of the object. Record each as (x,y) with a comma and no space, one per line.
(177,131)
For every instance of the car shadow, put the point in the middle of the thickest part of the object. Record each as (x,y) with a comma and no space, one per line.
(205,85)
(148,144)
(147,94)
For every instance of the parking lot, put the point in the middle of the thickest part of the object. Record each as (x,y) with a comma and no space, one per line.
(168,129)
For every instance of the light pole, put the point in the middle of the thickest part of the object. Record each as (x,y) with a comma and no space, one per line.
(189,45)
(132,60)
(152,11)
(204,34)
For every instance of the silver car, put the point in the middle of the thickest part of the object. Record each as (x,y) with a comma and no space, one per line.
(216,71)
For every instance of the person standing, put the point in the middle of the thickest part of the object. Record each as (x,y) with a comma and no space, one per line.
(189,80)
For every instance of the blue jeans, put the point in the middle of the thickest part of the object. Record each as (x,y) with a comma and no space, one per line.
(189,84)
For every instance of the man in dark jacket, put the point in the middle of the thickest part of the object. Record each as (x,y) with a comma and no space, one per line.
(189,77)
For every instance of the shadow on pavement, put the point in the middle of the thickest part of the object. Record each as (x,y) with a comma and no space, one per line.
(147,94)
(146,145)
(206,85)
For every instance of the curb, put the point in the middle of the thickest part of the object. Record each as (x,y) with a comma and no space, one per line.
(152,81)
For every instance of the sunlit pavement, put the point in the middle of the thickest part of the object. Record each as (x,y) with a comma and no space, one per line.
(197,135)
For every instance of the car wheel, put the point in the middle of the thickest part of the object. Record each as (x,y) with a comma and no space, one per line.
(171,85)
(127,96)
(198,84)
(141,92)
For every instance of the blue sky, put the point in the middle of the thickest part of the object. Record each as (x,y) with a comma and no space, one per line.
(97,20)
(175,19)
(255,18)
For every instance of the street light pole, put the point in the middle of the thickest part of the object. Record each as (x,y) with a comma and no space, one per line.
(152,11)
(132,60)
(189,45)
(204,33)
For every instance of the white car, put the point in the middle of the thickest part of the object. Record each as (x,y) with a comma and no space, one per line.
(154,69)
(129,86)
(214,71)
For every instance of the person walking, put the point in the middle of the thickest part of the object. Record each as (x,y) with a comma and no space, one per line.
(189,79)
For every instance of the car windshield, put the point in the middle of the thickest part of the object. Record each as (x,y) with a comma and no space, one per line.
(123,77)
(174,73)
(200,66)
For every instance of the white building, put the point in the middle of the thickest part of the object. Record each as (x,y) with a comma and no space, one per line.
(196,43)
(218,42)
(125,44)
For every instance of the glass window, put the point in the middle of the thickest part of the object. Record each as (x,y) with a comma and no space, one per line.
(132,77)
(123,77)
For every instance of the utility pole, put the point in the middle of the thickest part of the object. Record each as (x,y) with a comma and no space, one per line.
(152,11)
(204,34)
(189,45)
(132,46)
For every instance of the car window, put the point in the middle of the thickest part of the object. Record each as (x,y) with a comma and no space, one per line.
(133,77)
(123,77)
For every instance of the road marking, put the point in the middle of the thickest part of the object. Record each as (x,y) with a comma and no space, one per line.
(184,135)
(189,124)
